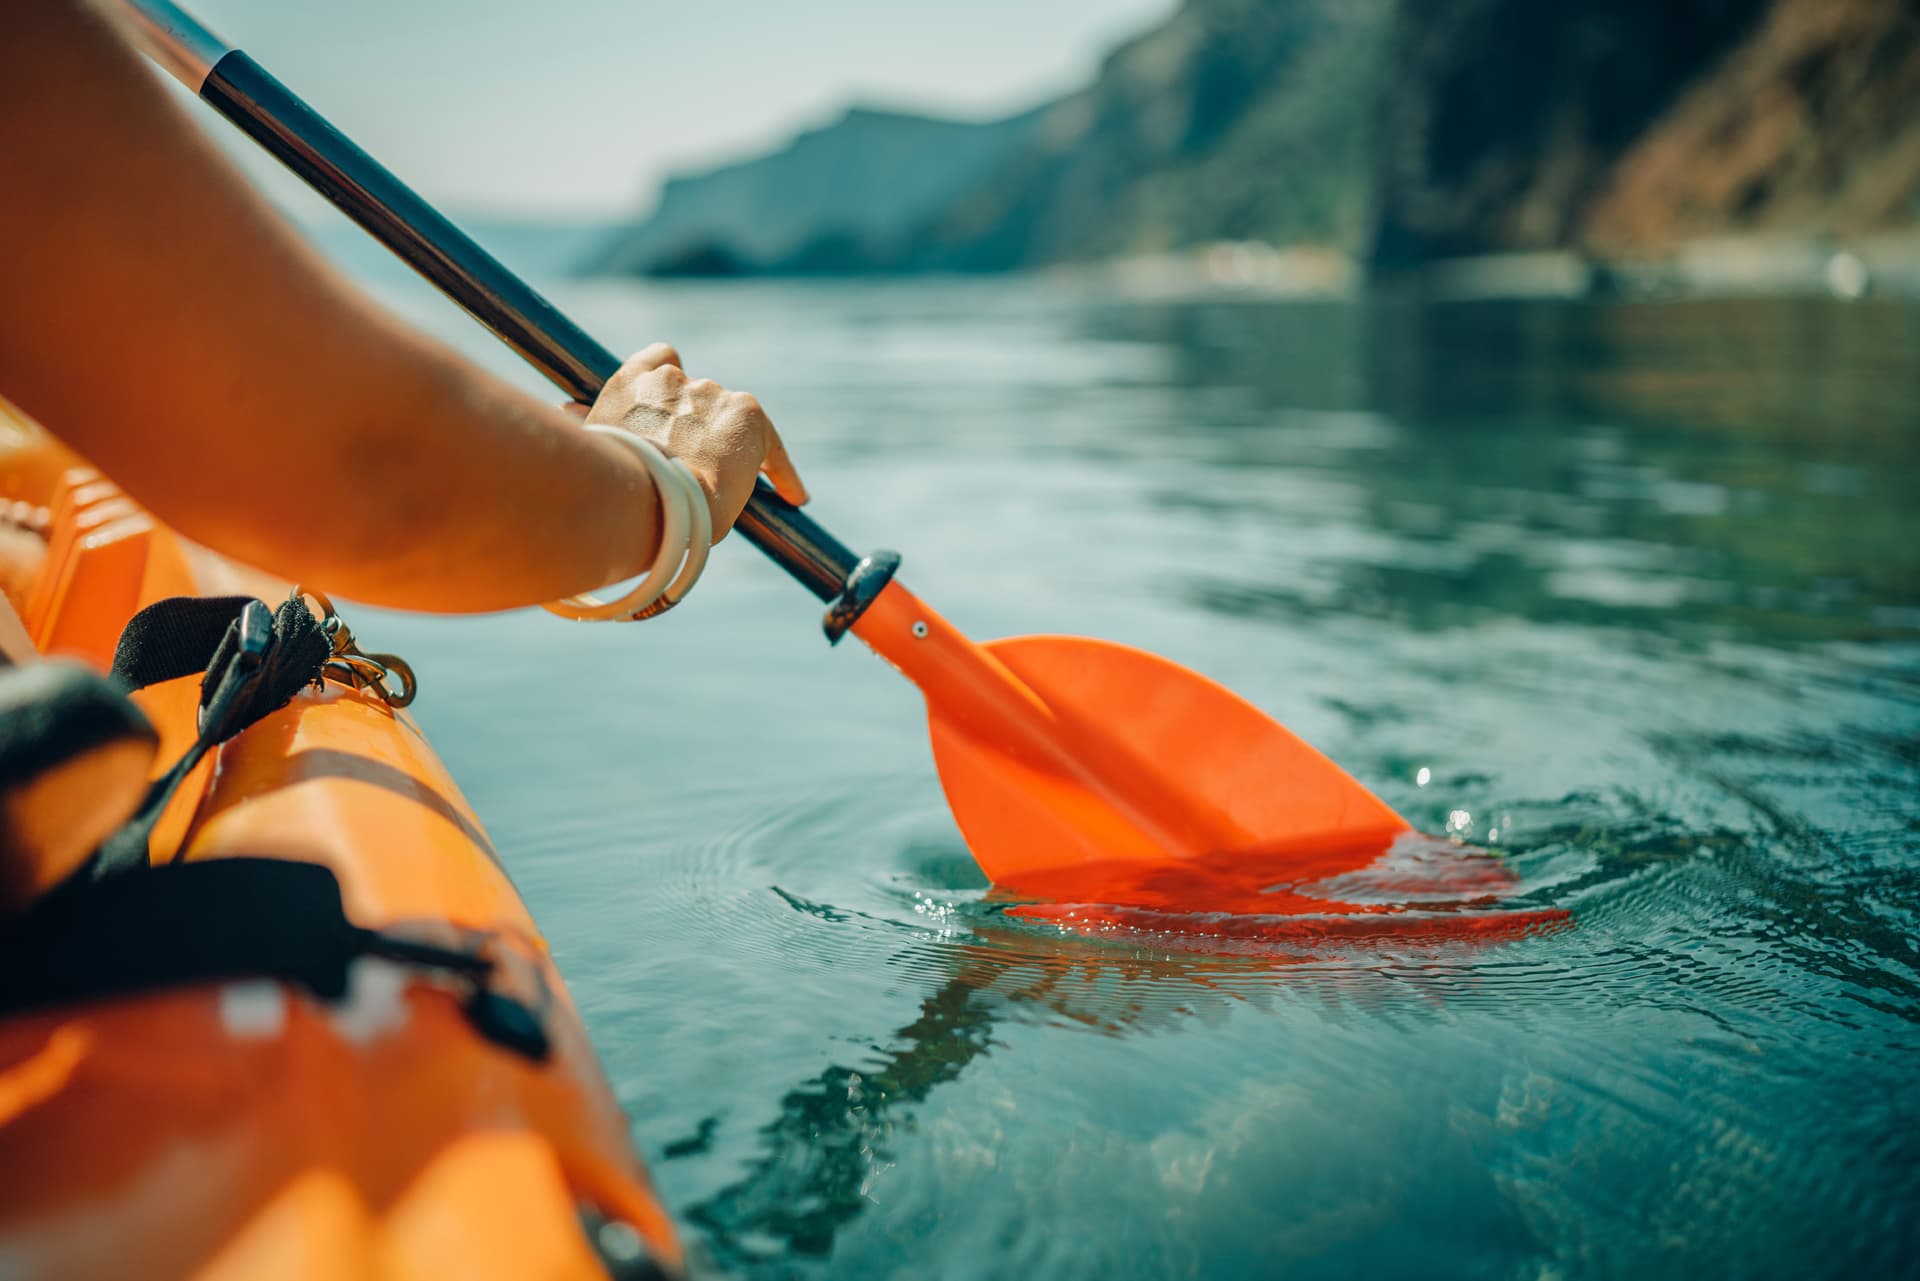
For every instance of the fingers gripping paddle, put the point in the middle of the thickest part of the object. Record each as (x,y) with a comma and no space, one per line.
(1072,766)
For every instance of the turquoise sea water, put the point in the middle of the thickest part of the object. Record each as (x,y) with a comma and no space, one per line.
(1633,588)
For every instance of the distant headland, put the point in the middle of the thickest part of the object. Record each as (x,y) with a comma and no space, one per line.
(1477,147)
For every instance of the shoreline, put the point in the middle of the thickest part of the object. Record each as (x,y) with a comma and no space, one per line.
(1882,265)
(1885,264)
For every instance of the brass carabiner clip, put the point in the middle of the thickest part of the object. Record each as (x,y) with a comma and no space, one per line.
(351,665)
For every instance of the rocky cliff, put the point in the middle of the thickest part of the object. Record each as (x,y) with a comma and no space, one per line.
(1811,125)
(1236,120)
(1400,131)
(1630,125)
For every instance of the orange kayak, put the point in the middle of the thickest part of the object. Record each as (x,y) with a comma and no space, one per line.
(248,1128)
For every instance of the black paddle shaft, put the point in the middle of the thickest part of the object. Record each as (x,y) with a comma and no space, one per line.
(359,186)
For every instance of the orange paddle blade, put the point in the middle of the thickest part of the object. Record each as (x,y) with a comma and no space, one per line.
(1082,768)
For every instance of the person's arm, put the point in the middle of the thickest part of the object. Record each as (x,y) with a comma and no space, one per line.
(158,316)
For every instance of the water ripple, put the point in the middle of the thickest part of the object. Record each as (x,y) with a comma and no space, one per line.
(1630,587)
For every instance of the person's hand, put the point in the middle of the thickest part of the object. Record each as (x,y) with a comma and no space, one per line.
(724,436)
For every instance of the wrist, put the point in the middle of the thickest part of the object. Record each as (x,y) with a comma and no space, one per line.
(680,545)
(631,528)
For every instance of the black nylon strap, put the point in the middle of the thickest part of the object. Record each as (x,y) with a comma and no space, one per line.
(195,922)
(223,919)
(300,649)
(177,637)
(173,638)
(186,634)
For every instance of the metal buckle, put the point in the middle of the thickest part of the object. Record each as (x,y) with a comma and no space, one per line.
(235,682)
(351,665)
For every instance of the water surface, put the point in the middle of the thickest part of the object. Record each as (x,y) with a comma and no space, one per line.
(1628,594)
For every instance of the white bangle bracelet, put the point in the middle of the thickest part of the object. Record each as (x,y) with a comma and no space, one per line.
(699,543)
(685,536)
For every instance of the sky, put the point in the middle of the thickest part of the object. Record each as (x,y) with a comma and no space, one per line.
(581,107)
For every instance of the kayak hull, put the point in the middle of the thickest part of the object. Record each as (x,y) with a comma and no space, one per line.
(247,1128)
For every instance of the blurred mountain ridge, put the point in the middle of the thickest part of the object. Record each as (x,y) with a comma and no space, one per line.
(870,177)
(1399,132)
